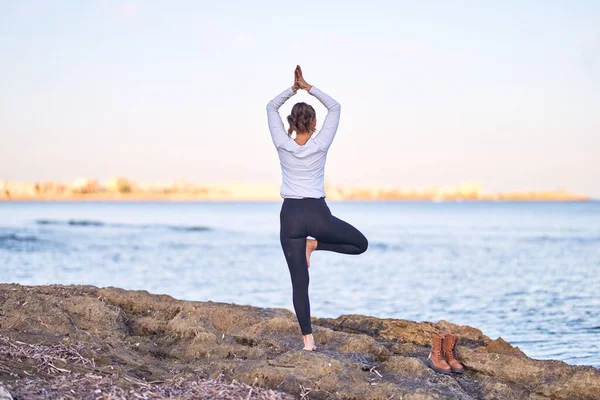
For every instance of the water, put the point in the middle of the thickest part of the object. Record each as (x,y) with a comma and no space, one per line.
(528,272)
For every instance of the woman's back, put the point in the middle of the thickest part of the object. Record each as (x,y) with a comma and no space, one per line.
(303,166)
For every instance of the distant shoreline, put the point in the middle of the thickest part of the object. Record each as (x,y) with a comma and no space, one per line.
(183,199)
(122,189)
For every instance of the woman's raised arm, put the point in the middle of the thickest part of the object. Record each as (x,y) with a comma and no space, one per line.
(332,120)
(278,133)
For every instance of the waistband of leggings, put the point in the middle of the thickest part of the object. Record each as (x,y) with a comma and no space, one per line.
(293,200)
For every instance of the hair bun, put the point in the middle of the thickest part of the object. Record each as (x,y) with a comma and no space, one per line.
(302,118)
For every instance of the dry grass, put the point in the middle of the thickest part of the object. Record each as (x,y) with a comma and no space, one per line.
(106,388)
(45,357)
(53,378)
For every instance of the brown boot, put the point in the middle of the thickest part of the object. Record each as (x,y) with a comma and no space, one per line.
(449,350)
(435,360)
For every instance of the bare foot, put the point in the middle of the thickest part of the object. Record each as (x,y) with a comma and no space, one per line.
(309,342)
(311,245)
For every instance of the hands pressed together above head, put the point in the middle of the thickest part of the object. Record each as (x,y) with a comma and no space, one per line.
(299,82)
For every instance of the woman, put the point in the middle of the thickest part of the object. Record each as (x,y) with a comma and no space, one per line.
(304,211)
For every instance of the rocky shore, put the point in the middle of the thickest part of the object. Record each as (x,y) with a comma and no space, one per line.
(84,342)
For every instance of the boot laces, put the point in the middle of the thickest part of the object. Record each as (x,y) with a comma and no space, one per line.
(452,352)
(439,353)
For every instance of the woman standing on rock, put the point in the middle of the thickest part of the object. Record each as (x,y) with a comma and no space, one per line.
(304,211)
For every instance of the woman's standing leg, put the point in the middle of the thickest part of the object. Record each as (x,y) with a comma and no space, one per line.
(293,242)
(295,255)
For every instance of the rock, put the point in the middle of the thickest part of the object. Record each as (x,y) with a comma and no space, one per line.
(134,336)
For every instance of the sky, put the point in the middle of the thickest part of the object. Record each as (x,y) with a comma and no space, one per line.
(433,92)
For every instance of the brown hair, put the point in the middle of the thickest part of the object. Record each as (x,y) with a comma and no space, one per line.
(301,119)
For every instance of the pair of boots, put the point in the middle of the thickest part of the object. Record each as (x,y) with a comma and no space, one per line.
(442,358)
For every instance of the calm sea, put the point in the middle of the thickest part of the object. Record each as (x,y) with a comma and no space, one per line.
(528,272)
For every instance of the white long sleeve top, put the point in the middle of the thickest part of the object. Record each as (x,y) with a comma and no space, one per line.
(303,166)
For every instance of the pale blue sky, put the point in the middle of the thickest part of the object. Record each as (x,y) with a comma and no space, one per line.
(432,92)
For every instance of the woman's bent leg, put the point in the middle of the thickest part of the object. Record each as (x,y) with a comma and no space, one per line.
(335,235)
(295,255)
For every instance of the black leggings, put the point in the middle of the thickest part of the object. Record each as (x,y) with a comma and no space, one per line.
(311,217)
